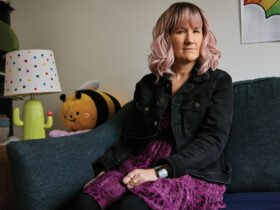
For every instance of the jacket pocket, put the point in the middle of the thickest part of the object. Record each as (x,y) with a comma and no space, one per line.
(193,112)
(143,108)
(195,105)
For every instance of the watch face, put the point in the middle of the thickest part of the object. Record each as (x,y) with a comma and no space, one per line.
(163,173)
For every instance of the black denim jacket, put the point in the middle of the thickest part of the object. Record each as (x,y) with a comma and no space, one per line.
(201,116)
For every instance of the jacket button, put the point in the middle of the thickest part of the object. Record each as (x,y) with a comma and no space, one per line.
(146,108)
(155,123)
(167,85)
(197,105)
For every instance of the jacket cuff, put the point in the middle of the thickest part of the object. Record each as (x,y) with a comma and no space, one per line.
(177,164)
(104,164)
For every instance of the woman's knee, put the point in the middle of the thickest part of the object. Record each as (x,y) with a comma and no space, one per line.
(130,201)
(85,202)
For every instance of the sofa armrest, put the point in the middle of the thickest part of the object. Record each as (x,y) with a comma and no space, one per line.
(48,173)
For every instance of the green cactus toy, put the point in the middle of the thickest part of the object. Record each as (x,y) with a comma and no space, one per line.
(33,120)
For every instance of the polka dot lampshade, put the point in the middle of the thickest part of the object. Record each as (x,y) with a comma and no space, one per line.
(30,71)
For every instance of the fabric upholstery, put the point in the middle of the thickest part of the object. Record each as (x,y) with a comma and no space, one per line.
(47,173)
(253,147)
(253,201)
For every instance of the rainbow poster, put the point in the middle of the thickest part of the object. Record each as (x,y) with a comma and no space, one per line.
(260,20)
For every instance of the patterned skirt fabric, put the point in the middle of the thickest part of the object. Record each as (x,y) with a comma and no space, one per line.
(183,193)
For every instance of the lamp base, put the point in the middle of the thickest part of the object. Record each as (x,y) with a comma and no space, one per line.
(33,120)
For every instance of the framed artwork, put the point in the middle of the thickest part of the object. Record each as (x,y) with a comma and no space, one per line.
(260,20)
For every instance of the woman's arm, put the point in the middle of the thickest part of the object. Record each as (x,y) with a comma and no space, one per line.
(122,149)
(112,158)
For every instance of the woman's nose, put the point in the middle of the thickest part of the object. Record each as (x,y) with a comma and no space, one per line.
(189,36)
(189,39)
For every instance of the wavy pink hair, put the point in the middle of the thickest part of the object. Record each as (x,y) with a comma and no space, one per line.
(178,14)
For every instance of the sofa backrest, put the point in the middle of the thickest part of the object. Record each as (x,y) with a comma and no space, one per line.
(253,147)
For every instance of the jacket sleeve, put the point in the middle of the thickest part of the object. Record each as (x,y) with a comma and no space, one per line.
(119,151)
(112,158)
(210,140)
(122,149)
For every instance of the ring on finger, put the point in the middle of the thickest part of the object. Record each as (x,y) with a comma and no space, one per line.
(132,182)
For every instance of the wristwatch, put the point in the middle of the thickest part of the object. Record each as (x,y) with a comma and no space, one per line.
(161,172)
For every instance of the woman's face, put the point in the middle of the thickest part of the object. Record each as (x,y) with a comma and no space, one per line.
(186,42)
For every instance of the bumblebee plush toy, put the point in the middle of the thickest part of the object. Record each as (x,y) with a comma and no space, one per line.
(86,109)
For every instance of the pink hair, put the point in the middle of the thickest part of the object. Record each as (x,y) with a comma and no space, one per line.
(178,14)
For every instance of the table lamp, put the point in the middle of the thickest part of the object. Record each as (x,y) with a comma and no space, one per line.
(27,73)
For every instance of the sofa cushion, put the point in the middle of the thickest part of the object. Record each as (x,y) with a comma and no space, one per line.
(253,148)
(252,201)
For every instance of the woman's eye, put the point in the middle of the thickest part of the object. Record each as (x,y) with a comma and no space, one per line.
(180,31)
(196,31)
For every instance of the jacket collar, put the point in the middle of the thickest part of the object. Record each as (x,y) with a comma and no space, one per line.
(164,79)
(194,76)
(199,77)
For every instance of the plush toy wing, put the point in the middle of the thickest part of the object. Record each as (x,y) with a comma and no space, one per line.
(89,85)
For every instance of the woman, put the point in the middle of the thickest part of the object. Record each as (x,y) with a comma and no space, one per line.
(170,155)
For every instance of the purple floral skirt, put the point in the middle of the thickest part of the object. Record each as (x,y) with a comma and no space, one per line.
(182,193)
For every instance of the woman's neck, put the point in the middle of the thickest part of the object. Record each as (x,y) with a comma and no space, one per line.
(182,74)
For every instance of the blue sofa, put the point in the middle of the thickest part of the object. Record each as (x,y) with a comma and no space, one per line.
(48,173)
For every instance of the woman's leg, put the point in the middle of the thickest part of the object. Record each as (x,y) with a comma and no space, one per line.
(128,202)
(85,202)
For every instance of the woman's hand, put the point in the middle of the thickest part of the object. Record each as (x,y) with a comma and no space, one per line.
(139,176)
(102,172)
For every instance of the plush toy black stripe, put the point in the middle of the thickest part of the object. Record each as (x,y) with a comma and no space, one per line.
(101,105)
(115,101)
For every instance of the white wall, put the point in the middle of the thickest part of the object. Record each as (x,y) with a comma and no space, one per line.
(108,40)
